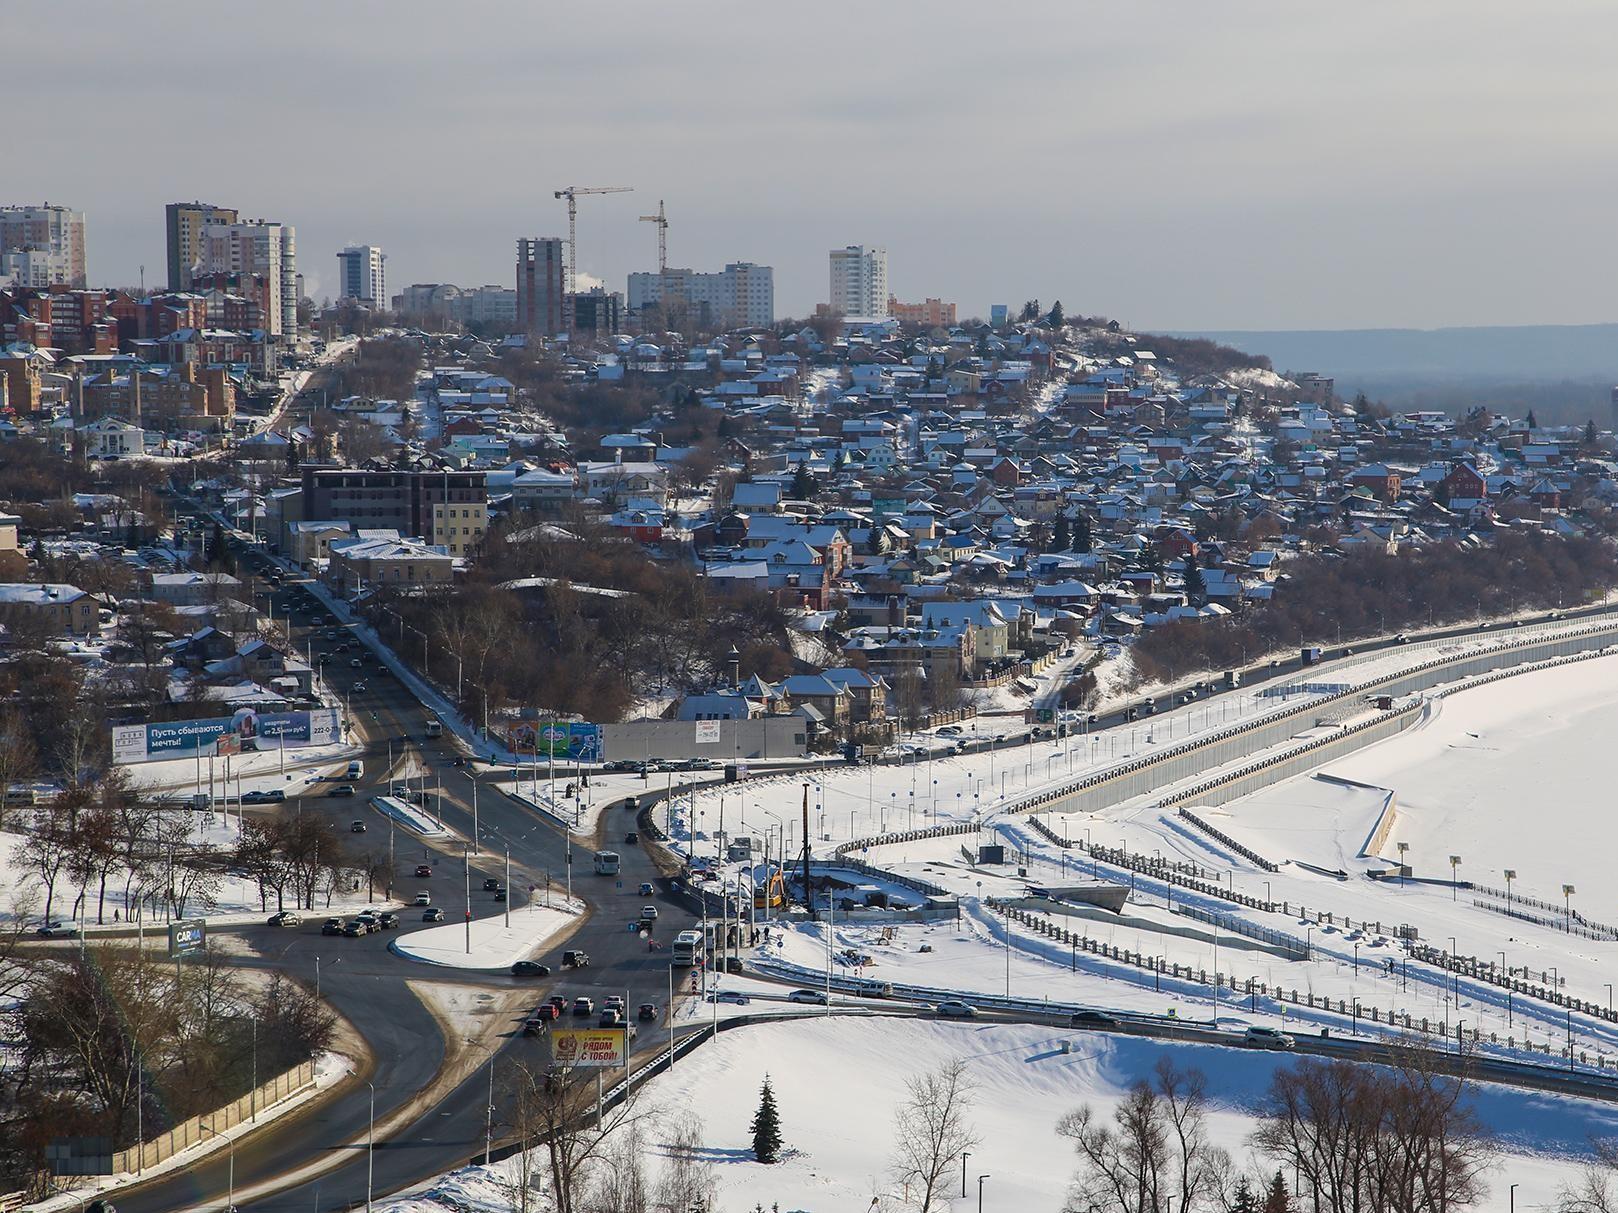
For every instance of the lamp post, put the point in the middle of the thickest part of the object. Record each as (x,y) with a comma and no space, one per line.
(370,1148)
(1511,875)
(965,1154)
(981,1178)
(1403,847)
(1454,879)
(1567,904)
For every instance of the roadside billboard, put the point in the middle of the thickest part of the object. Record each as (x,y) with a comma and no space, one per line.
(247,731)
(572,741)
(589,1048)
(708,732)
(186,937)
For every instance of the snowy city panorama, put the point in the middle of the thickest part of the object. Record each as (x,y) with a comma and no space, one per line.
(881,609)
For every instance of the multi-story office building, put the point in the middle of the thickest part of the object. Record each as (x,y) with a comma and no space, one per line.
(185,223)
(742,295)
(445,507)
(859,281)
(42,246)
(539,285)
(268,250)
(361,275)
(595,311)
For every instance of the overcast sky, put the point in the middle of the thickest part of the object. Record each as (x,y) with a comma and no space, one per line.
(1186,164)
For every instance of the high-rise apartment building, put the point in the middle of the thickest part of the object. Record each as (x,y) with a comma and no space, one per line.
(185,224)
(742,295)
(859,281)
(539,285)
(361,275)
(267,250)
(42,246)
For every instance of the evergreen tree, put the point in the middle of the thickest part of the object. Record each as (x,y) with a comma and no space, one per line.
(1533,421)
(1030,310)
(1057,318)
(724,426)
(767,1126)
(1277,1199)
(292,455)
(877,544)
(216,543)
(1590,435)
(1151,559)
(1196,587)
(1082,542)
(1243,1200)
(803,483)
(1061,539)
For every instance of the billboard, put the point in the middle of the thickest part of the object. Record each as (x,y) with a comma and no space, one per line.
(186,937)
(708,732)
(573,741)
(589,1048)
(246,731)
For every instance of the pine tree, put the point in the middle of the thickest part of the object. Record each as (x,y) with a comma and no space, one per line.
(1082,541)
(803,483)
(1243,1199)
(1590,435)
(878,542)
(1057,317)
(1196,586)
(1277,1199)
(1533,421)
(767,1126)
(1061,539)
(292,455)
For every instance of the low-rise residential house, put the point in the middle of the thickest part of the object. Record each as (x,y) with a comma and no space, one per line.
(66,609)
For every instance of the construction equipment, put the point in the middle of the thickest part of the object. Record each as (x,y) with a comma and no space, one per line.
(662,222)
(571,193)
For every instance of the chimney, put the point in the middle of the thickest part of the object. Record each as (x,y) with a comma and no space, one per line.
(78,394)
(734,660)
(134,397)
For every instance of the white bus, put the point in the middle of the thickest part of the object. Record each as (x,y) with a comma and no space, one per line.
(606,863)
(687,949)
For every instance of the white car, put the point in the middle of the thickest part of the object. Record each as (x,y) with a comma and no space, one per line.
(735,996)
(818,997)
(648,913)
(1268,1038)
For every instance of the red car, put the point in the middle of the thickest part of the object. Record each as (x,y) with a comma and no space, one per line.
(423,869)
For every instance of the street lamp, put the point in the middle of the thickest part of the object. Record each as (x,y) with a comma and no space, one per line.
(1454,880)
(370,1149)
(1511,875)
(1403,847)
(1567,903)
(965,1154)
(981,1178)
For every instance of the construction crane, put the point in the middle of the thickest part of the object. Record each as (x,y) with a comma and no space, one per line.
(571,193)
(662,222)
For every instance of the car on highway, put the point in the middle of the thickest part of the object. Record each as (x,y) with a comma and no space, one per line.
(286,918)
(424,870)
(354,663)
(611,1017)
(955,1008)
(356,929)
(735,996)
(58,930)
(359,686)
(875,989)
(530,968)
(424,898)
(631,838)
(343,789)
(648,913)
(387,920)
(1268,1038)
(583,1006)
(499,894)
(433,915)
(332,926)
(647,1012)
(559,1002)
(817,997)
(1091,1019)
(613,1002)
(267,796)
(490,884)
(646,889)
(357,827)
(575,960)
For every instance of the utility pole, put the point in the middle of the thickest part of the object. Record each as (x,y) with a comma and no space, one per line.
(808,893)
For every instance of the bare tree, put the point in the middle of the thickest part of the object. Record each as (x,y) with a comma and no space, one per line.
(932,1129)
(619,1184)
(1597,1188)
(18,757)
(687,1179)
(558,1109)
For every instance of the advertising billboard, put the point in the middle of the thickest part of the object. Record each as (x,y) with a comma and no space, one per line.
(246,731)
(571,741)
(707,732)
(589,1048)
(187,936)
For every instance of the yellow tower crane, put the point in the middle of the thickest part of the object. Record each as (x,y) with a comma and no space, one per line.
(662,221)
(571,193)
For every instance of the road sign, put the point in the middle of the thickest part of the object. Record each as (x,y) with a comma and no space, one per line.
(186,937)
(589,1048)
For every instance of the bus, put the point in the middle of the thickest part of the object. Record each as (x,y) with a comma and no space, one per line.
(687,949)
(606,863)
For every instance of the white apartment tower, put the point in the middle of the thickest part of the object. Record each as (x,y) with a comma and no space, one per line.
(361,275)
(859,281)
(268,250)
(42,246)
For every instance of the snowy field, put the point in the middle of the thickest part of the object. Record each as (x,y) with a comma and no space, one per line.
(838,1082)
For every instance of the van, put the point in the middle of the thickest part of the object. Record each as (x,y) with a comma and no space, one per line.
(356,768)
(435,728)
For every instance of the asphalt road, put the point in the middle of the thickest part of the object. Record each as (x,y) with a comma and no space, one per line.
(366,982)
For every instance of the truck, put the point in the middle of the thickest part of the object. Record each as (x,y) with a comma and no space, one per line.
(1309,655)
(1233,679)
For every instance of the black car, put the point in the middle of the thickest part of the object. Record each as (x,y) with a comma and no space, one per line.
(530,968)
(389,920)
(499,894)
(490,884)
(631,838)
(1092,1019)
(332,926)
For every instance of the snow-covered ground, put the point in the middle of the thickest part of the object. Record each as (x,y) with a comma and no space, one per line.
(493,944)
(839,1081)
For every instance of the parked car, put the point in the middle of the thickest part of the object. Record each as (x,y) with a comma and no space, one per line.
(1268,1038)
(954,1008)
(530,968)
(433,915)
(817,997)
(286,918)
(58,930)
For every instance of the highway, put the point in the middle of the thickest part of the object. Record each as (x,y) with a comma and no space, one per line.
(365,982)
